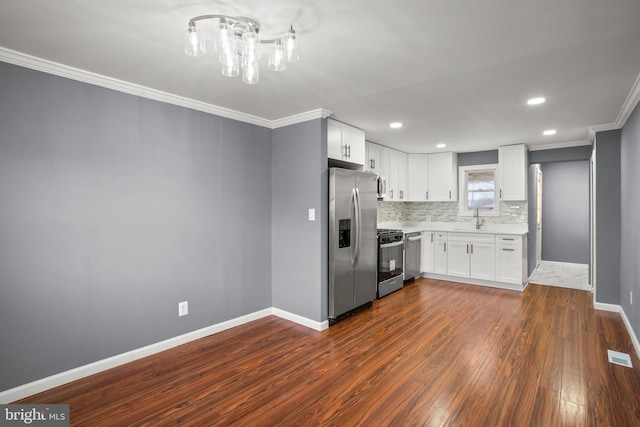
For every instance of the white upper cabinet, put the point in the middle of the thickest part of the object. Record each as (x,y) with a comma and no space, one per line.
(417,169)
(403,178)
(374,159)
(512,172)
(433,177)
(397,175)
(442,171)
(345,143)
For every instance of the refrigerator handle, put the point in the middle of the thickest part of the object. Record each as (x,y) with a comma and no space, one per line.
(357,226)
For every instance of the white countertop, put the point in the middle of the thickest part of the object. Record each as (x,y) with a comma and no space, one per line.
(458,227)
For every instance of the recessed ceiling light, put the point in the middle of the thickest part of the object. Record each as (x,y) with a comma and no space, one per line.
(395,125)
(536,101)
(441,145)
(549,132)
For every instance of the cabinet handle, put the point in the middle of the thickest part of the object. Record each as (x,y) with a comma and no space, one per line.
(445,246)
(449,194)
(501,193)
(472,248)
(427,196)
(467,248)
(391,192)
(508,250)
(508,239)
(374,163)
(431,237)
(401,194)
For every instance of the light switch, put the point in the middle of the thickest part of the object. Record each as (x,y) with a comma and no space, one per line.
(312,214)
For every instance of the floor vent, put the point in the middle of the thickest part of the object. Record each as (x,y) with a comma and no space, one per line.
(619,358)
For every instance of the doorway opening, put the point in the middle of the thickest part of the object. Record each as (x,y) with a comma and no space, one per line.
(559,224)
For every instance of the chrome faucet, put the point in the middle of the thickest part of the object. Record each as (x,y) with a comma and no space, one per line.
(478,222)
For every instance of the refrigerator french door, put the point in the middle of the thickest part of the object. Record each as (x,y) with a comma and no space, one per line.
(353,215)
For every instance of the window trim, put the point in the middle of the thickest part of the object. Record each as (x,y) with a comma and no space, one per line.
(462,190)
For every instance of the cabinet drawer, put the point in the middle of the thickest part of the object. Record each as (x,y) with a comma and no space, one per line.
(471,237)
(440,235)
(505,239)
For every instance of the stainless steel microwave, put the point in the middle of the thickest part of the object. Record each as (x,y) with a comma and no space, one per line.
(382,186)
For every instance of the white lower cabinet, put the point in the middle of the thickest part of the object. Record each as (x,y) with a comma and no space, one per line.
(487,257)
(511,253)
(427,252)
(483,261)
(440,259)
(458,259)
(471,255)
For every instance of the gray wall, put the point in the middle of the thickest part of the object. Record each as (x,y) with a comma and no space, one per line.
(114,208)
(565,212)
(608,214)
(630,219)
(299,246)
(568,154)
(478,158)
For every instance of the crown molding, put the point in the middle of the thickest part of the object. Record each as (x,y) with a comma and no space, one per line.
(629,104)
(601,128)
(50,67)
(627,108)
(556,145)
(319,113)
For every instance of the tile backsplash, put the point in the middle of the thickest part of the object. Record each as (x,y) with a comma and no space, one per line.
(510,212)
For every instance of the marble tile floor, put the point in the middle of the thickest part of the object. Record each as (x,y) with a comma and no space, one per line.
(562,274)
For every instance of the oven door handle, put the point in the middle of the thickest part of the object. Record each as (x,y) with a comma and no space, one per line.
(391,245)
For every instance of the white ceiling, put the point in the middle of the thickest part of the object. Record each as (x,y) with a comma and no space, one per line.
(453,71)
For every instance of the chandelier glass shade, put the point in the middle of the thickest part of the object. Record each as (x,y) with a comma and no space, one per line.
(239,46)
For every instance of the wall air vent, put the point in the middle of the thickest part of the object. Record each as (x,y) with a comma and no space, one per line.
(619,358)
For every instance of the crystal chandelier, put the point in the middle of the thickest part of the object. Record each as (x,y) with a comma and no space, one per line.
(239,47)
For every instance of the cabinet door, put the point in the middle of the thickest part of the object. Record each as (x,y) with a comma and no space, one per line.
(373,161)
(335,144)
(393,179)
(417,165)
(458,259)
(440,257)
(403,188)
(443,177)
(354,140)
(512,174)
(482,262)
(428,252)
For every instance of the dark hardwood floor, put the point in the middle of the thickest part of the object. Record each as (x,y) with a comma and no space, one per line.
(435,353)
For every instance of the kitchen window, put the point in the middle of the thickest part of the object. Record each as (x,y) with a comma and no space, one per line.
(479,190)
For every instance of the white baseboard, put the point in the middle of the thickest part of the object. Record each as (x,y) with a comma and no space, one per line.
(618,309)
(61,378)
(312,324)
(607,307)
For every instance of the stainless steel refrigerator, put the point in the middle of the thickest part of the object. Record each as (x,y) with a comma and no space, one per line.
(353,244)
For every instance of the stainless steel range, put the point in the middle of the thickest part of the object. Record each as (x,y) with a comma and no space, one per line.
(390,261)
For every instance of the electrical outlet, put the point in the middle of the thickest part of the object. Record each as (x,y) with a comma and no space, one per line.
(183,308)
